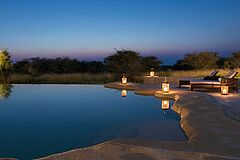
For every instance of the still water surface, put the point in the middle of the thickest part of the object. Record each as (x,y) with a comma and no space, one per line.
(39,120)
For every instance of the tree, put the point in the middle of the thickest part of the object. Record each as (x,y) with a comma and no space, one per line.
(202,60)
(124,61)
(95,67)
(181,65)
(6,65)
(5,91)
(21,66)
(224,62)
(149,62)
(37,66)
(235,60)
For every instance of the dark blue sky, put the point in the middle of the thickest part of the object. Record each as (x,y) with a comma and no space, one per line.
(91,29)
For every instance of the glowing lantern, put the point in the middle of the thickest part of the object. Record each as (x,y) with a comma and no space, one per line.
(124,79)
(165,104)
(165,86)
(152,72)
(224,90)
(124,93)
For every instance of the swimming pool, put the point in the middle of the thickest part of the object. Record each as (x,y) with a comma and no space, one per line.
(39,120)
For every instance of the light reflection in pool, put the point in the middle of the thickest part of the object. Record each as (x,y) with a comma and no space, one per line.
(38,120)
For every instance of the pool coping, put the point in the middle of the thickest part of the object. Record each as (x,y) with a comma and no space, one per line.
(211,134)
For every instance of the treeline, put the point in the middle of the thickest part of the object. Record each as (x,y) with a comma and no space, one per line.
(124,61)
(207,60)
(58,65)
(121,61)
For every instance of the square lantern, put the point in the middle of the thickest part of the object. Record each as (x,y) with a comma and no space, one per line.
(124,93)
(165,86)
(152,72)
(165,104)
(224,90)
(124,79)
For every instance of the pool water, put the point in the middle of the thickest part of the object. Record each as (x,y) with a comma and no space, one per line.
(39,120)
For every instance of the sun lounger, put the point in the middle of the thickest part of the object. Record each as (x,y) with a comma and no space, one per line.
(204,84)
(230,81)
(211,76)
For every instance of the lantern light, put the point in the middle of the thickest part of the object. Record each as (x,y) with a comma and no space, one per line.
(224,90)
(165,86)
(152,72)
(124,93)
(165,104)
(124,79)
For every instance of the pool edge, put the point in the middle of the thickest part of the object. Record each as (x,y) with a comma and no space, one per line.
(200,117)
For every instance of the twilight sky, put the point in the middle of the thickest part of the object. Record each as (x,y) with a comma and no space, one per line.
(91,29)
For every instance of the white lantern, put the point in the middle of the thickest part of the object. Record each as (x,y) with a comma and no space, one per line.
(124,79)
(165,104)
(224,90)
(124,93)
(152,72)
(165,86)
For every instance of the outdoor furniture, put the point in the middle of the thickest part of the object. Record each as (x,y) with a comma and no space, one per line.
(183,82)
(210,84)
(228,80)
(211,76)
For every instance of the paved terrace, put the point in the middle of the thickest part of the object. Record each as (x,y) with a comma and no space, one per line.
(210,121)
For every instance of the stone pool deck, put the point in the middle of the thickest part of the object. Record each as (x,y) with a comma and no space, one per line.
(210,121)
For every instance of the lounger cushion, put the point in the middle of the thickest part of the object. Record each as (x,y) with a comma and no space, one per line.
(231,74)
(213,73)
(211,77)
(210,82)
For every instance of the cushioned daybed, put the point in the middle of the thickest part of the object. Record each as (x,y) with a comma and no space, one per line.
(211,76)
(229,80)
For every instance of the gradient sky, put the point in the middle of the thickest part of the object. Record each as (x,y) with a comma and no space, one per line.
(92,29)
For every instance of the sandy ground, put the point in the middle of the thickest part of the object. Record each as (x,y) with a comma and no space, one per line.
(230,103)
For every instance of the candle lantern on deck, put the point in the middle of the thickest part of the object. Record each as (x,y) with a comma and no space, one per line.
(152,72)
(224,90)
(124,93)
(165,104)
(124,79)
(165,86)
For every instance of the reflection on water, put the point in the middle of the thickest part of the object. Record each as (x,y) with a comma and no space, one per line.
(5,91)
(48,119)
(165,104)
(124,93)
